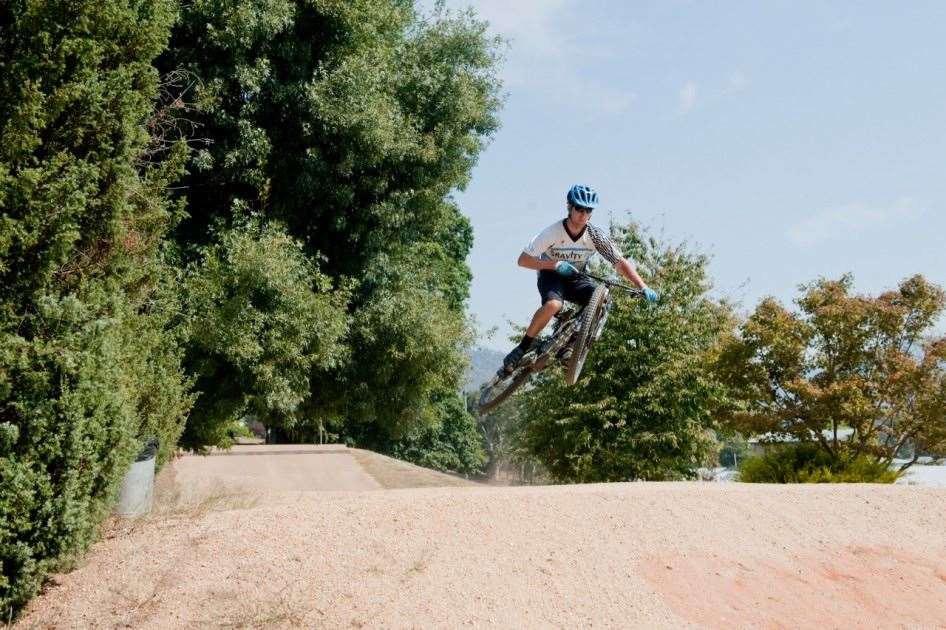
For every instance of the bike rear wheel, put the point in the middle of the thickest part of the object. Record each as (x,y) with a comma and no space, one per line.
(499,390)
(586,334)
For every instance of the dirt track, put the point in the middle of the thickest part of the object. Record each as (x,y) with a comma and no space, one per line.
(620,555)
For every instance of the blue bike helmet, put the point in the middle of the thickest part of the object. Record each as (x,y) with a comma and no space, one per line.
(585,196)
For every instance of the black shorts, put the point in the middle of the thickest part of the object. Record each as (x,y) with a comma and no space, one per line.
(552,286)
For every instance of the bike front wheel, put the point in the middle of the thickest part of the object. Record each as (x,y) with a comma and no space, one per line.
(586,334)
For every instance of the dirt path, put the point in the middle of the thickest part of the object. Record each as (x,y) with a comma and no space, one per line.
(247,476)
(271,468)
(621,555)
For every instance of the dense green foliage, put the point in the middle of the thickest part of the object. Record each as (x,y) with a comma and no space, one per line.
(350,123)
(78,386)
(74,98)
(319,276)
(89,356)
(451,444)
(643,406)
(260,319)
(806,462)
(407,347)
(865,363)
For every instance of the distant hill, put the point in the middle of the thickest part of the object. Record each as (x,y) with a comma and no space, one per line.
(483,364)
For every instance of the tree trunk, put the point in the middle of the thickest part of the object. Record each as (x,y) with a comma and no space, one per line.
(493,467)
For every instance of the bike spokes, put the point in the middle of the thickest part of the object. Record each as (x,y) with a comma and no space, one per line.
(587,333)
(501,387)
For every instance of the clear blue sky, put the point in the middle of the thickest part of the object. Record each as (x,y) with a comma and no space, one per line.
(789,140)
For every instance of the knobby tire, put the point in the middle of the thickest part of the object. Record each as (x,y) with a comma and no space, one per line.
(589,321)
(517,382)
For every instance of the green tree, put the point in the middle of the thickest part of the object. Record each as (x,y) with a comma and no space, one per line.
(451,444)
(89,357)
(350,123)
(261,319)
(807,462)
(844,361)
(408,347)
(643,406)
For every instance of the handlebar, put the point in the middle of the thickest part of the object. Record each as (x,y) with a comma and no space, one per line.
(613,283)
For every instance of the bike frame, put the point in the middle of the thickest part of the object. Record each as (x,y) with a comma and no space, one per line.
(556,347)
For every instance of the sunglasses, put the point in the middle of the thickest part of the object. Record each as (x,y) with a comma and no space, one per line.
(582,209)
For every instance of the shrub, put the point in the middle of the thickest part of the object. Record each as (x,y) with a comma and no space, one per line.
(452,444)
(81,381)
(68,429)
(807,463)
(89,360)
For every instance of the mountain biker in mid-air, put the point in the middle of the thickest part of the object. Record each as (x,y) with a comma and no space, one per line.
(559,253)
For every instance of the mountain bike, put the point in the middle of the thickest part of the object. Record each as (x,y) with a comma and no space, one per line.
(573,332)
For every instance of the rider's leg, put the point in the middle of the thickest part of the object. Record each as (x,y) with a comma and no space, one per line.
(539,321)
(542,317)
(551,290)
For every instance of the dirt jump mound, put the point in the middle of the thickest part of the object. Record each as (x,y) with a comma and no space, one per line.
(645,555)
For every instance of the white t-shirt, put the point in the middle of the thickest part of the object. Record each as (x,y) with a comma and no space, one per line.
(555,243)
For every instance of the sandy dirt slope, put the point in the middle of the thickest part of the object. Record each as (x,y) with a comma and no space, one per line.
(393,473)
(648,555)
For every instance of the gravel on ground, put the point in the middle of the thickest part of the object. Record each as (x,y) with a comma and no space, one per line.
(638,555)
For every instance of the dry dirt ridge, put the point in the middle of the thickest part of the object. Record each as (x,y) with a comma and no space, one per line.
(640,555)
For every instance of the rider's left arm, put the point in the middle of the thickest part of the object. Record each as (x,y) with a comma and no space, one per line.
(627,269)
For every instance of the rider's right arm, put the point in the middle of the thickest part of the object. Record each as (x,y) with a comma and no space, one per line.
(531,256)
(537,264)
